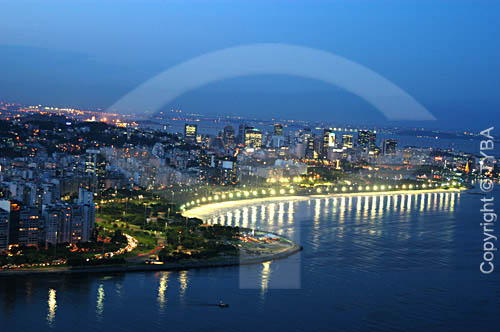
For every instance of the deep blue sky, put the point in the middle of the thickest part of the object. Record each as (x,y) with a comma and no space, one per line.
(89,53)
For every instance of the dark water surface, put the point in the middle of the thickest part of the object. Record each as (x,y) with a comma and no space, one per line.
(374,263)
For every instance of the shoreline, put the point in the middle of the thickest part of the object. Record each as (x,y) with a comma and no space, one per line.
(197,212)
(235,261)
(204,210)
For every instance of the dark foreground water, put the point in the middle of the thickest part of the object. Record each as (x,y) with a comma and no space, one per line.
(387,263)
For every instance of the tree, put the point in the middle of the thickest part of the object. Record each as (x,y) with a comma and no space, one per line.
(118,237)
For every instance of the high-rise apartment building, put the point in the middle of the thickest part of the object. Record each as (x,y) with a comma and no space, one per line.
(228,136)
(367,140)
(327,141)
(389,147)
(278,129)
(190,132)
(253,138)
(30,227)
(4,229)
(347,141)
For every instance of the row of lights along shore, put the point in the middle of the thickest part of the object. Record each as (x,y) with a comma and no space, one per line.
(238,195)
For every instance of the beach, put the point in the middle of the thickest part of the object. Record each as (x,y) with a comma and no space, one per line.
(206,210)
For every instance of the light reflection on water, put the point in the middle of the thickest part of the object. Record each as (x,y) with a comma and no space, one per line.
(343,237)
(274,216)
(162,289)
(183,281)
(265,275)
(100,302)
(52,306)
(368,212)
(291,212)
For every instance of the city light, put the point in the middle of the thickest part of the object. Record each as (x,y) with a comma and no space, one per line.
(282,209)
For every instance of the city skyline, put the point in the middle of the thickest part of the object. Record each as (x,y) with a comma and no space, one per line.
(249,165)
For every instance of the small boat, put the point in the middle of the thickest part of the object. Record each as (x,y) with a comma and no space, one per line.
(223,305)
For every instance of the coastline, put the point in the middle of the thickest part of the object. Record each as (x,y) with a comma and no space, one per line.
(204,210)
(219,262)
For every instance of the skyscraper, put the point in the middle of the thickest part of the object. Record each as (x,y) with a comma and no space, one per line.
(58,225)
(227,170)
(13,208)
(347,141)
(241,133)
(228,136)
(307,138)
(328,141)
(95,168)
(389,147)
(278,129)
(4,229)
(310,147)
(30,227)
(190,132)
(367,140)
(253,138)
(55,220)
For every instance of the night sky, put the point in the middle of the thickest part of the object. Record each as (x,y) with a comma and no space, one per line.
(90,53)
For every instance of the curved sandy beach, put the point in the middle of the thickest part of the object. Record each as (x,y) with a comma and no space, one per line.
(206,210)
